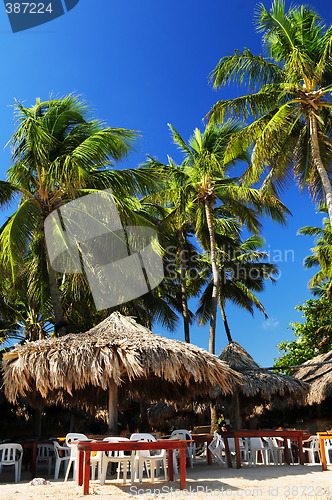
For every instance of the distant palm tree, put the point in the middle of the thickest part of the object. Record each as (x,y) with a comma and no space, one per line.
(291,131)
(321,282)
(242,274)
(59,154)
(172,205)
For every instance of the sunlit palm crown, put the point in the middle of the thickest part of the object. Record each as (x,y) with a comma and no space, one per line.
(293,81)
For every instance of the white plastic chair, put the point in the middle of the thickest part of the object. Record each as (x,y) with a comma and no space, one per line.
(256,445)
(244,448)
(11,454)
(217,446)
(328,448)
(275,451)
(149,458)
(45,454)
(61,454)
(311,446)
(118,457)
(191,448)
(71,441)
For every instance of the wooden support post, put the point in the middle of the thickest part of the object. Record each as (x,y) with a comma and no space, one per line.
(237,416)
(113,408)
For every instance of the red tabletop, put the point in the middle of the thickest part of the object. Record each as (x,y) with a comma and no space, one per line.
(86,447)
(289,434)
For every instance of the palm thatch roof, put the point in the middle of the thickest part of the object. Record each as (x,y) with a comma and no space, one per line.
(319,376)
(81,367)
(257,381)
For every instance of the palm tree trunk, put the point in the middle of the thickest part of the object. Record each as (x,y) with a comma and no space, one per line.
(228,332)
(60,320)
(215,288)
(319,164)
(184,296)
(214,418)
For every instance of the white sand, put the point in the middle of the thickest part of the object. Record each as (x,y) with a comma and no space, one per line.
(264,482)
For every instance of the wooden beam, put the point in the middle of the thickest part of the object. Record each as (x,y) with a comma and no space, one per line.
(113,408)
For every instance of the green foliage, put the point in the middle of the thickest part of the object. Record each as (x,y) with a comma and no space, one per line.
(313,336)
(321,256)
(287,92)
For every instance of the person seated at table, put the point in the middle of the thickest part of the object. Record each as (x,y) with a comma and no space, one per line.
(222,423)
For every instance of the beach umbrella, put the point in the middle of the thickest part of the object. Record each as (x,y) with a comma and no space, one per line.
(82,368)
(258,383)
(317,372)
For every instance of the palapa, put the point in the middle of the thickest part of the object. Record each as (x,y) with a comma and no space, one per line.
(258,383)
(118,351)
(318,376)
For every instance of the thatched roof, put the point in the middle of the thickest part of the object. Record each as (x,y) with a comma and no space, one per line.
(261,382)
(80,367)
(318,376)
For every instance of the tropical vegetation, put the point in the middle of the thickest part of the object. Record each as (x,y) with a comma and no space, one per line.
(288,101)
(215,205)
(59,153)
(313,336)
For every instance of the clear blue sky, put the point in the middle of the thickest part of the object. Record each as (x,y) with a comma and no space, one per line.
(141,64)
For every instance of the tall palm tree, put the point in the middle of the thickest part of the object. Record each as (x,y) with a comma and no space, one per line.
(289,100)
(59,153)
(243,273)
(210,192)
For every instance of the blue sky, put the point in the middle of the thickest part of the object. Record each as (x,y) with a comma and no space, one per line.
(143,64)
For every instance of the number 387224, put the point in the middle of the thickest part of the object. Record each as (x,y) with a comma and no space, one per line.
(28,8)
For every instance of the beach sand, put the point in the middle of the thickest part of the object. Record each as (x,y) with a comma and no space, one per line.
(203,482)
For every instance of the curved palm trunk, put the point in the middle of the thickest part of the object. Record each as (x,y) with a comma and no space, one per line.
(319,164)
(60,320)
(228,332)
(215,287)
(184,296)
(214,302)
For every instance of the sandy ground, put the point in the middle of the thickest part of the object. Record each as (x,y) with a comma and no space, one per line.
(203,482)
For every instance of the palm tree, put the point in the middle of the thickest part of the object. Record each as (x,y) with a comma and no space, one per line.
(321,256)
(172,207)
(242,274)
(289,100)
(218,202)
(59,154)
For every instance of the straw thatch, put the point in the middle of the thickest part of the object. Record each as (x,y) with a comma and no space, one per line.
(258,384)
(319,377)
(257,381)
(79,367)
